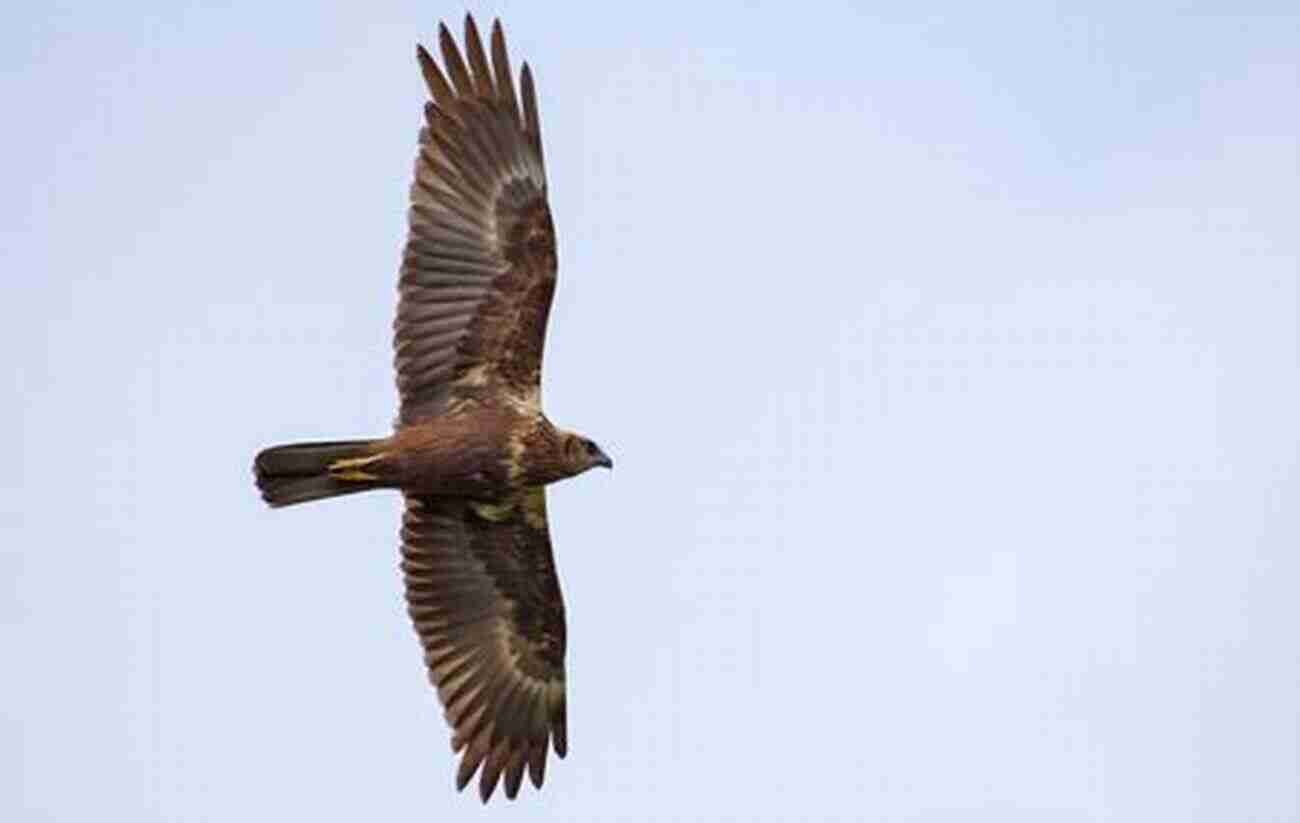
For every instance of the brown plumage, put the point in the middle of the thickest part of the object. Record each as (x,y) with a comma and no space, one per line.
(472,450)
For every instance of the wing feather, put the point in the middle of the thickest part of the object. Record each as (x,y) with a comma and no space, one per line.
(504,77)
(434,78)
(455,65)
(478,60)
(532,123)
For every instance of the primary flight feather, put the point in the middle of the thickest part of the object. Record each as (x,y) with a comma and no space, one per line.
(472,451)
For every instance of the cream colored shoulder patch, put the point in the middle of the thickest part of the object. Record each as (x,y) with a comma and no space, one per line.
(515,460)
(493,512)
(474,377)
(532,399)
(535,508)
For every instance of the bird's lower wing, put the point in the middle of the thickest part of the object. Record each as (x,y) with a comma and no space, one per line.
(483,594)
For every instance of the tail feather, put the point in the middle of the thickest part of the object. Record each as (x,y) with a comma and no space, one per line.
(301,472)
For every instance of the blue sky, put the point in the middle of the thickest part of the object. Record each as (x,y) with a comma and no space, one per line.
(948,356)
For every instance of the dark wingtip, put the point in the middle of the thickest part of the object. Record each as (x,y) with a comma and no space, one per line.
(445,39)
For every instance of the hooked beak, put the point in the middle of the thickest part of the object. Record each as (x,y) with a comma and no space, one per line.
(605,460)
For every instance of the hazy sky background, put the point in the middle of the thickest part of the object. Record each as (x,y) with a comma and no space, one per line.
(948,356)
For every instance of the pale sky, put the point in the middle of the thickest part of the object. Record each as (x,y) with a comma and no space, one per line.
(948,357)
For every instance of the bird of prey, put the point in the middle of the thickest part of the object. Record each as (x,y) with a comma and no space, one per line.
(472,451)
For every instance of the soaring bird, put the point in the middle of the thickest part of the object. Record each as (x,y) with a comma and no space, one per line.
(471,451)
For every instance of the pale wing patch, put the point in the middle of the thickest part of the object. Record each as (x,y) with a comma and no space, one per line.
(535,508)
(493,512)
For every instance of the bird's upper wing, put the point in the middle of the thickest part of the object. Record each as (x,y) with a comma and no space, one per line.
(482,591)
(478,270)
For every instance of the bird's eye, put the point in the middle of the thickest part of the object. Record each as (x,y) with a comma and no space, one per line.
(591,447)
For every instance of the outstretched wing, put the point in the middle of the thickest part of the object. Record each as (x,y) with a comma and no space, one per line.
(482,591)
(478,270)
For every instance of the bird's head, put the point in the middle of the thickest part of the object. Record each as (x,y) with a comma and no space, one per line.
(582,453)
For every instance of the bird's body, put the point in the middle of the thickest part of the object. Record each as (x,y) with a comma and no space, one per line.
(483,452)
(472,450)
(462,453)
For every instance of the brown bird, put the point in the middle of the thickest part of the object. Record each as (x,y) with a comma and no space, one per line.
(472,451)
